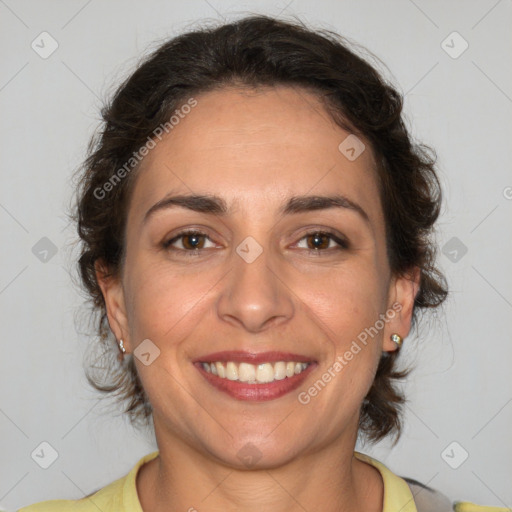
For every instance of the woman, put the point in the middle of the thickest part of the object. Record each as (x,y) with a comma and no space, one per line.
(256,236)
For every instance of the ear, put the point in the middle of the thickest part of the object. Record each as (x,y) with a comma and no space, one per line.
(113,294)
(403,291)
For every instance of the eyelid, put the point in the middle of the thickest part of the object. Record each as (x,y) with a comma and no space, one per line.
(339,239)
(187,231)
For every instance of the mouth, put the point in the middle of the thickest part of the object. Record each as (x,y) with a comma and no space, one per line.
(256,377)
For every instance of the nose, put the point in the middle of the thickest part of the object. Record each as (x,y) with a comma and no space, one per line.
(255,295)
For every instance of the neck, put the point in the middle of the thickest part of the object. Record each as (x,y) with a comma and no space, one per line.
(330,479)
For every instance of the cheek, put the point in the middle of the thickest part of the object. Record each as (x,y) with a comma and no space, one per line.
(159,300)
(347,301)
(346,307)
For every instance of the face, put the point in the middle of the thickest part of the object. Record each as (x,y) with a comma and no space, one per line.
(279,259)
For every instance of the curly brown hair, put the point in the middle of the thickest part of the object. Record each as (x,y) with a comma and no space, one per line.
(251,52)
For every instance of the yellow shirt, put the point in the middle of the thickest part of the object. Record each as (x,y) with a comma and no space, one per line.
(121,495)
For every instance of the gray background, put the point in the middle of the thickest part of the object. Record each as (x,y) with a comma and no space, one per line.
(461,390)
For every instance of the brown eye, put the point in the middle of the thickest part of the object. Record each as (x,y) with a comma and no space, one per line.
(190,241)
(320,241)
(193,241)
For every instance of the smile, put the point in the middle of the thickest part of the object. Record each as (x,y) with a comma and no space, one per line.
(255,373)
(255,377)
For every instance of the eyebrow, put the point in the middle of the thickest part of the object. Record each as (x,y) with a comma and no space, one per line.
(214,205)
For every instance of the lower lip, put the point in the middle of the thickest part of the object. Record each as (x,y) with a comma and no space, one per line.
(256,392)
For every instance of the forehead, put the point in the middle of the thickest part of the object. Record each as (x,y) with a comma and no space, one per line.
(255,145)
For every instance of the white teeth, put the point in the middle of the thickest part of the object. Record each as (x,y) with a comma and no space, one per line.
(254,374)
(231,371)
(246,372)
(221,371)
(280,370)
(265,373)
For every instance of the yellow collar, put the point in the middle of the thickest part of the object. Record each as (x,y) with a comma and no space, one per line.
(397,494)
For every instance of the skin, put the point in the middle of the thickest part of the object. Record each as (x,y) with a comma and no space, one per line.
(256,149)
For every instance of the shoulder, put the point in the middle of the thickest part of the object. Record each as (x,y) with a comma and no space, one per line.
(118,496)
(397,493)
(431,500)
(428,499)
(105,499)
(406,494)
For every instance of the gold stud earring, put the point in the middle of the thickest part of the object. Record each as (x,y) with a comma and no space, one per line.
(396,338)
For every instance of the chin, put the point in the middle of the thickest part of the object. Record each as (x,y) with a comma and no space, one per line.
(258,453)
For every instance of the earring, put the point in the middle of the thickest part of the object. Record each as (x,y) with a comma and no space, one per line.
(121,346)
(397,339)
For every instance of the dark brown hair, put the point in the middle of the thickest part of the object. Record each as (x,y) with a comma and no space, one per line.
(252,52)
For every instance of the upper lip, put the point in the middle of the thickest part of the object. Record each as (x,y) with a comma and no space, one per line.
(253,357)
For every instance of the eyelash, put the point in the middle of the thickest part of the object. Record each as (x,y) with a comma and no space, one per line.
(342,244)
